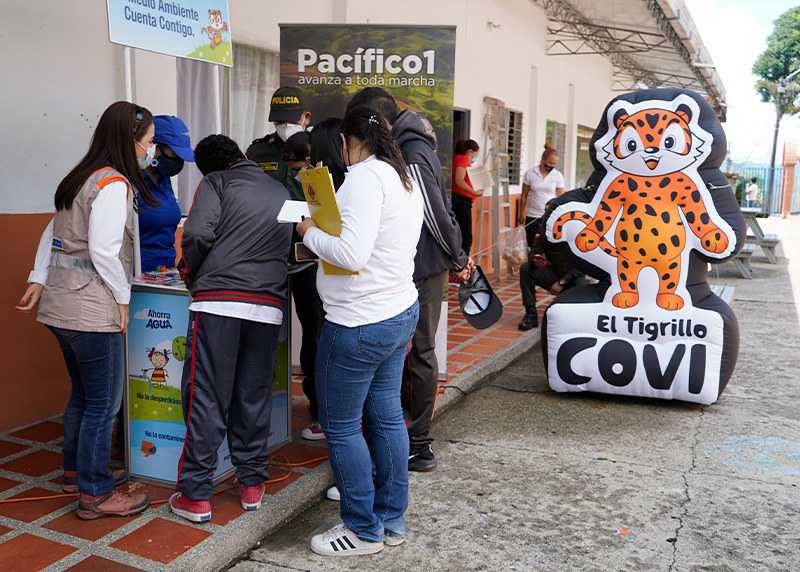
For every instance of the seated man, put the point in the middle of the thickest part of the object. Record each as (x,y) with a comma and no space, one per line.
(548,268)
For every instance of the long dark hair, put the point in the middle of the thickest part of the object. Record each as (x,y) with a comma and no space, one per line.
(368,127)
(463,145)
(112,146)
(326,148)
(375,98)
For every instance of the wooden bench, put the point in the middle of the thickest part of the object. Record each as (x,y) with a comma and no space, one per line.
(742,260)
(768,244)
(724,292)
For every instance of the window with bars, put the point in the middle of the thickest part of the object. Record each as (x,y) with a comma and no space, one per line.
(556,137)
(514,146)
(583,167)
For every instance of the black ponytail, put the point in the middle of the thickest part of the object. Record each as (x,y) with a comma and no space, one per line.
(369,127)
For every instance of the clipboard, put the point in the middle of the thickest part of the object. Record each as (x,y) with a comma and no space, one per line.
(321,199)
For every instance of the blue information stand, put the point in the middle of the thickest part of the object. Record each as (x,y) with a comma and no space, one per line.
(155,350)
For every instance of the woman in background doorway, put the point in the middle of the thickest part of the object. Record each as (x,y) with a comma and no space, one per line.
(466,154)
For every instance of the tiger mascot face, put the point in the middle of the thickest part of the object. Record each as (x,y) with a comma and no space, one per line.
(215,19)
(653,142)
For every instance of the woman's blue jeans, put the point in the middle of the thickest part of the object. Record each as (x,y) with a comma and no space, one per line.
(359,372)
(96,365)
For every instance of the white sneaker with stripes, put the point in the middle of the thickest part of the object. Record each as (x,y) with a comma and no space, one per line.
(340,541)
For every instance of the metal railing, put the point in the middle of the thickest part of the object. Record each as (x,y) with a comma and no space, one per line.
(770,188)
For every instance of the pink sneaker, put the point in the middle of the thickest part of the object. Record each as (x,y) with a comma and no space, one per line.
(251,496)
(196,511)
(313,433)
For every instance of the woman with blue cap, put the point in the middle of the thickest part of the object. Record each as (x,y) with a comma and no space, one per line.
(157,225)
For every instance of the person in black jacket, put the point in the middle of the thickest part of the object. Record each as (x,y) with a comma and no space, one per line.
(549,269)
(289,114)
(234,264)
(438,251)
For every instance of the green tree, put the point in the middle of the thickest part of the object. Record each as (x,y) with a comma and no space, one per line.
(775,66)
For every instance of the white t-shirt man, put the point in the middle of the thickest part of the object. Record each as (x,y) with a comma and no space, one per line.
(542,189)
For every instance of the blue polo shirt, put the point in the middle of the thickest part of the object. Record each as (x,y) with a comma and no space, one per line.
(157,225)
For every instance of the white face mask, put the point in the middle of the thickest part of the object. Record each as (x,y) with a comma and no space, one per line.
(151,153)
(286,130)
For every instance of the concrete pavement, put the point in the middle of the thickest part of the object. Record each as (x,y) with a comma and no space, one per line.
(553,482)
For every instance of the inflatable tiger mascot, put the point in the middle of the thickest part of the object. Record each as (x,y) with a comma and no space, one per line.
(653,214)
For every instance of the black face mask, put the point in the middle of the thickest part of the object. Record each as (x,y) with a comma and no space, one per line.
(167,166)
(547,168)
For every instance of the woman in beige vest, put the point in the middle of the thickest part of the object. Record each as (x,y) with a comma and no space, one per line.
(81,283)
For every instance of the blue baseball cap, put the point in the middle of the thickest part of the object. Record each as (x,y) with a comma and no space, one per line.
(173,132)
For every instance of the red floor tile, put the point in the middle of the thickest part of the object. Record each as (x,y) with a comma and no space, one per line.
(156,493)
(457,368)
(463,331)
(298,424)
(300,409)
(97,564)
(464,358)
(226,507)
(161,540)
(41,432)
(453,345)
(276,473)
(510,326)
(504,334)
(8,448)
(493,342)
(30,553)
(4,529)
(87,529)
(6,484)
(35,464)
(28,511)
(298,453)
(457,337)
(479,349)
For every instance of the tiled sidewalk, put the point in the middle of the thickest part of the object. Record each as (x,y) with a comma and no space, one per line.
(46,535)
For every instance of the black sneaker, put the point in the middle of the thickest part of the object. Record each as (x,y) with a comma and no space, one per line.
(421,460)
(531,320)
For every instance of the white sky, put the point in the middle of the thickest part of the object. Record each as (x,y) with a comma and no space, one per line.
(735,33)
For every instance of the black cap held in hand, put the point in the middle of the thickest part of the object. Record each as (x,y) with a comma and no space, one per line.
(479,304)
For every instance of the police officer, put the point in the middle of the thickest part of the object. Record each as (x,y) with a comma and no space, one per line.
(288,113)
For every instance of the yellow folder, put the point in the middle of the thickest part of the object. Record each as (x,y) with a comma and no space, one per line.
(321,199)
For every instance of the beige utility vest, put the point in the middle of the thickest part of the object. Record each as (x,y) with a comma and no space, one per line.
(75,297)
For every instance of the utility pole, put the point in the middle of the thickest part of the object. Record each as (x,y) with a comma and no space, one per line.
(780,90)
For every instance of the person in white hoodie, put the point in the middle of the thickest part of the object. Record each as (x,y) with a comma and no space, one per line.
(370,319)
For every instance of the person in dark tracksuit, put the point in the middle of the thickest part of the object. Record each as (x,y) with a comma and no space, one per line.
(438,250)
(234,264)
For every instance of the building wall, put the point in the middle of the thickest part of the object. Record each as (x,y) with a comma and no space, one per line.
(61,72)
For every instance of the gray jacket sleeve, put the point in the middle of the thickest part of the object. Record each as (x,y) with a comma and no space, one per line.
(199,230)
(439,217)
